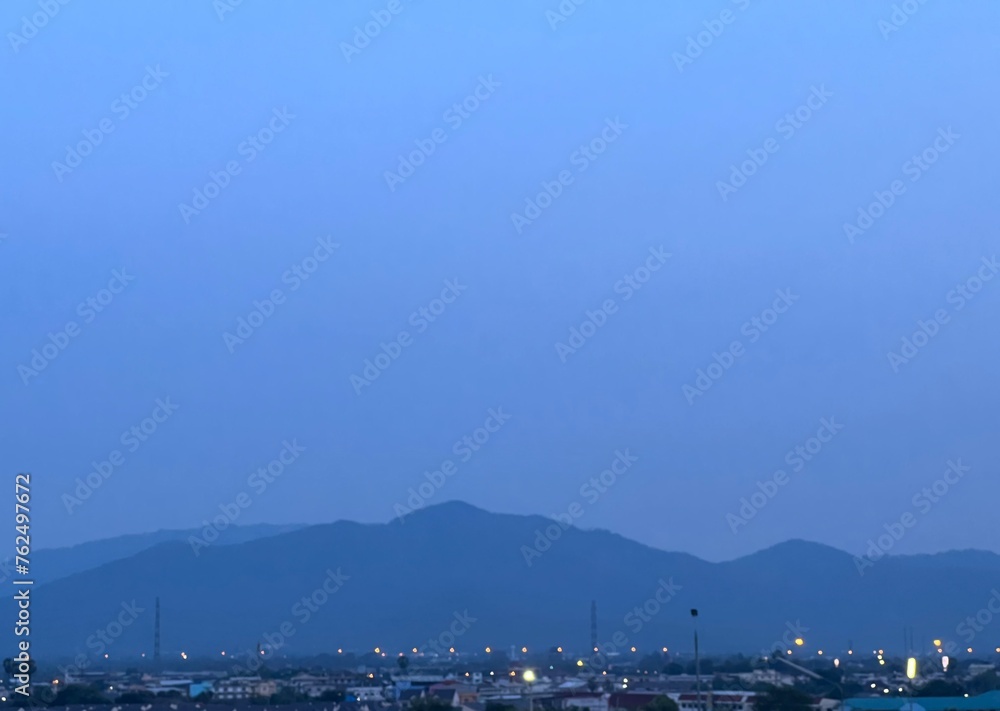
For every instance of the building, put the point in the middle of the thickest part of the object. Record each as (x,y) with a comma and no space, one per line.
(244,687)
(716,701)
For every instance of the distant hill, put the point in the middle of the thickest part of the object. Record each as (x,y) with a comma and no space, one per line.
(53,563)
(459,575)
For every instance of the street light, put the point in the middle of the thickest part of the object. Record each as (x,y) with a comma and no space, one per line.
(529,677)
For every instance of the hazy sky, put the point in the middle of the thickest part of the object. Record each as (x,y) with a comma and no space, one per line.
(117,113)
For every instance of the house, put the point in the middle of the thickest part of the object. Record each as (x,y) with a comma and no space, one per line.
(364,694)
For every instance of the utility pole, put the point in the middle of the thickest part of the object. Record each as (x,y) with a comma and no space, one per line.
(593,625)
(697,658)
(156,633)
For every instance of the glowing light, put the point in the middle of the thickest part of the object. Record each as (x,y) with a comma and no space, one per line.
(414,650)
(524,650)
(223,653)
(451,649)
(969,650)
(340,651)
(911,668)
(579,662)
(820,652)
(664,649)
(488,650)
(377,650)
(529,675)
(633,649)
(799,642)
(945,662)
(183,655)
(937,643)
(836,663)
(559,649)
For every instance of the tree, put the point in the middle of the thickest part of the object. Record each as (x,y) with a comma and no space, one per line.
(429,703)
(661,703)
(79,694)
(783,698)
(287,695)
(939,687)
(10,666)
(403,662)
(984,683)
(136,697)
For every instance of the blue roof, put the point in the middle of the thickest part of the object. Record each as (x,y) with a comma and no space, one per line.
(984,702)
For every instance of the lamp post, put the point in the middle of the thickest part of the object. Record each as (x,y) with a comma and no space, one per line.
(697,658)
(529,677)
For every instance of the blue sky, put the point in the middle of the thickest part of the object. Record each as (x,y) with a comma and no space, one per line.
(634,121)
